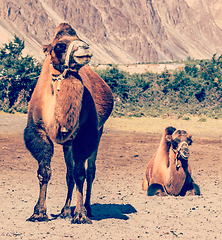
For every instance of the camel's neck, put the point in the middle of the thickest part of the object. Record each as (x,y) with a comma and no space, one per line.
(175,175)
(68,107)
(67,97)
(172,160)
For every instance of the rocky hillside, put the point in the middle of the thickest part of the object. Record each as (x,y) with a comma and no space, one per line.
(120,31)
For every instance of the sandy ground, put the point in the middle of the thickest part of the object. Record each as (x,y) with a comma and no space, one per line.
(121,209)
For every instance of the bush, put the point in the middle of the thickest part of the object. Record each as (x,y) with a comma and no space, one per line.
(196,90)
(18,77)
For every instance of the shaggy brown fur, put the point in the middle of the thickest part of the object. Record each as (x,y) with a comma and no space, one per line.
(72,113)
(169,172)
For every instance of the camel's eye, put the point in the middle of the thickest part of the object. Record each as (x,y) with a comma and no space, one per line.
(60,48)
(189,140)
(175,143)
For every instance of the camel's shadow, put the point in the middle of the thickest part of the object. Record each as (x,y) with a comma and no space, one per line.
(117,211)
(106,211)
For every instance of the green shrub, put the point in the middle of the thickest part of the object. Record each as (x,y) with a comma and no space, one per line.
(196,90)
(18,77)
(202,120)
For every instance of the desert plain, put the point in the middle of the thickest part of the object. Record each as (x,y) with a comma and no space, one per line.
(121,210)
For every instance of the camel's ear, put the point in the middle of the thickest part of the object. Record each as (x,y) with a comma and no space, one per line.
(47,48)
(170,130)
(189,140)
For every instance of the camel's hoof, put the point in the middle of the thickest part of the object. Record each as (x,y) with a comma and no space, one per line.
(89,211)
(38,218)
(80,218)
(65,213)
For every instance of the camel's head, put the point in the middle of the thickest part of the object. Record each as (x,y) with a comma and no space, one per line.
(67,50)
(179,140)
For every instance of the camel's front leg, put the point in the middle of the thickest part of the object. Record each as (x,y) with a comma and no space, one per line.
(66,211)
(190,189)
(44,173)
(41,148)
(194,191)
(80,213)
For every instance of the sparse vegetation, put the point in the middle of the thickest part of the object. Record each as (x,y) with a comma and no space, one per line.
(202,120)
(18,77)
(195,90)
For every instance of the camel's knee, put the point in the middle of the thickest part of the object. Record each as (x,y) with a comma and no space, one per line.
(196,189)
(79,174)
(190,189)
(44,174)
(91,165)
(90,173)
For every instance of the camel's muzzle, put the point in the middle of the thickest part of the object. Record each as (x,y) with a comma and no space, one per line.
(183,151)
(78,54)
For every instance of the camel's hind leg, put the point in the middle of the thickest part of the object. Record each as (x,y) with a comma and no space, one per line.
(83,145)
(41,147)
(90,176)
(67,149)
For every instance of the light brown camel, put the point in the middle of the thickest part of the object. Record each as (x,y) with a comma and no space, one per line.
(169,172)
(69,106)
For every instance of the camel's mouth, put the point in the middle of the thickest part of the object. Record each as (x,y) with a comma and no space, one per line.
(184,151)
(82,55)
(81,60)
(185,154)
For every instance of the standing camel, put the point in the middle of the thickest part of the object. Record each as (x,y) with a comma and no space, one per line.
(69,106)
(169,172)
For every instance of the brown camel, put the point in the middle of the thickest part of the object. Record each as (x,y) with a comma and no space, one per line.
(169,172)
(69,106)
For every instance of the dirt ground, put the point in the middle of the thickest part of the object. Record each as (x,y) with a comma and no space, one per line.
(121,209)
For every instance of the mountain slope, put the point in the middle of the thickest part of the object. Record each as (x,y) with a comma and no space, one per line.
(120,31)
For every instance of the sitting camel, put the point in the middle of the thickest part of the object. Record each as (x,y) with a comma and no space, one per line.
(69,106)
(169,172)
